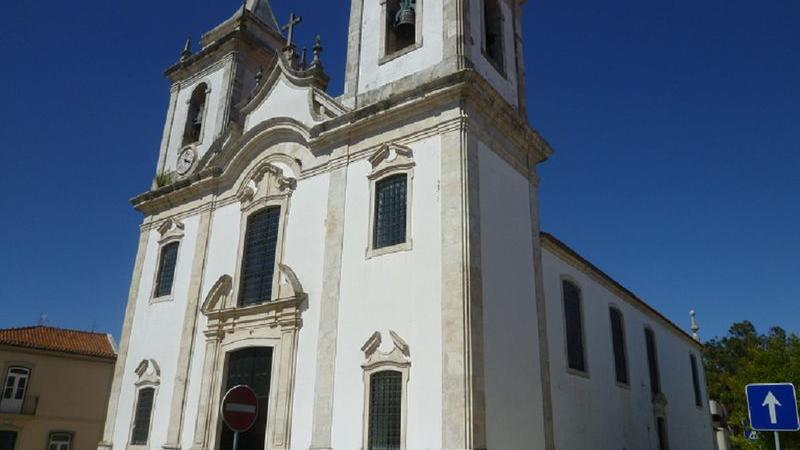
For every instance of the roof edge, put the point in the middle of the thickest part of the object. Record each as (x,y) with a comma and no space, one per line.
(548,238)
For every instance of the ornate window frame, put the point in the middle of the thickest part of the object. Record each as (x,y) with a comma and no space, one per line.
(585,373)
(266,187)
(148,376)
(389,160)
(383,56)
(375,361)
(171,231)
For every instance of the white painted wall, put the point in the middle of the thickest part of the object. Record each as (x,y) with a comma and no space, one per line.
(506,84)
(514,417)
(594,409)
(374,75)
(284,100)
(153,325)
(399,292)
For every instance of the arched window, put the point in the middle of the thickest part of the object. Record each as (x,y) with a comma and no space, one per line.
(385,410)
(573,323)
(698,396)
(618,342)
(400,26)
(652,361)
(166,269)
(390,211)
(142,416)
(195,115)
(258,259)
(493,32)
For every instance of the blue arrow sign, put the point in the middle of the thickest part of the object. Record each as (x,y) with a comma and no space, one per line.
(773,407)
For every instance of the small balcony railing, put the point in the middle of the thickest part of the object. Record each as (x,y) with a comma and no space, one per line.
(27,407)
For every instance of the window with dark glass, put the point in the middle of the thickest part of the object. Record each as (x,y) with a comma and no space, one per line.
(401,28)
(194,117)
(652,361)
(166,269)
(493,32)
(618,341)
(573,318)
(258,261)
(60,441)
(661,426)
(385,410)
(698,397)
(390,211)
(142,416)
(250,367)
(7,440)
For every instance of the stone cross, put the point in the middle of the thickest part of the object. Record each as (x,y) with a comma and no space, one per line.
(289,27)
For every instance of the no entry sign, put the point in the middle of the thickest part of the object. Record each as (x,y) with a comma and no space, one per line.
(240,408)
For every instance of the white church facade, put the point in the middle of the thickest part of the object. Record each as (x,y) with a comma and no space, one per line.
(372,264)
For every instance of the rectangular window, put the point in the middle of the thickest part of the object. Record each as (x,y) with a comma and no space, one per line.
(652,361)
(698,397)
(618,341)
(401,25)
(7,440)
(493,33)
(14,390)
(390,211)
(250,367)
(142,416)
(166,269)
(573,317)
(385,410)
(258,261)
(663,442)
(60,441)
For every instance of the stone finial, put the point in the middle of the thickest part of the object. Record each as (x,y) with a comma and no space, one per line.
(303,58)
(187,49)
(695,327)
(317,51)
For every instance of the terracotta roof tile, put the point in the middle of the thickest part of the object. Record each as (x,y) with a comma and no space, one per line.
(59,340)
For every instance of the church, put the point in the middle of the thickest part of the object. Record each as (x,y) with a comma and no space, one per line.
(371,264)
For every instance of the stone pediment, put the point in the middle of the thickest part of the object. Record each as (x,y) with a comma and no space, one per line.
(292,95)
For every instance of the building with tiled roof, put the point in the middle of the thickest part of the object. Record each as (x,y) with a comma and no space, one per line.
(60,340)
(55,385)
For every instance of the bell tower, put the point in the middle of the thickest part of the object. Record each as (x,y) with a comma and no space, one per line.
(209,83)
(396,45)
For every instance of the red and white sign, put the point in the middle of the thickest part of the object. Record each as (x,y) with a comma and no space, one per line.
(240,408)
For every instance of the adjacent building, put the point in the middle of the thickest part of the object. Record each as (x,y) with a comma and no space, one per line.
(55,388)
(371,264)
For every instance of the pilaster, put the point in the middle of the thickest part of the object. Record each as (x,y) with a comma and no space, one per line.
(329,312)
(176,419)
(119,370)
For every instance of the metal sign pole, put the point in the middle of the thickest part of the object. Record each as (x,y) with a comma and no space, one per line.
(236,440)
(777,441)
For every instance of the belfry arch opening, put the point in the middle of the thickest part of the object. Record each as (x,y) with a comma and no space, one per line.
(195,115)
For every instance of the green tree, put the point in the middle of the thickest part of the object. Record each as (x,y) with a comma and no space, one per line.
(743,357)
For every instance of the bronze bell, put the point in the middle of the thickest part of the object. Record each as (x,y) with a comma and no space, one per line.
(406,18)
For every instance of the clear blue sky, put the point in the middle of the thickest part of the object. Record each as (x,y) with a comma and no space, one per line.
(676,127)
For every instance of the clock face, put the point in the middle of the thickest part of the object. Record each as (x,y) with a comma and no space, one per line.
(185,161)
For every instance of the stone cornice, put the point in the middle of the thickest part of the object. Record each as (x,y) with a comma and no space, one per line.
(457,90)
(571,257)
